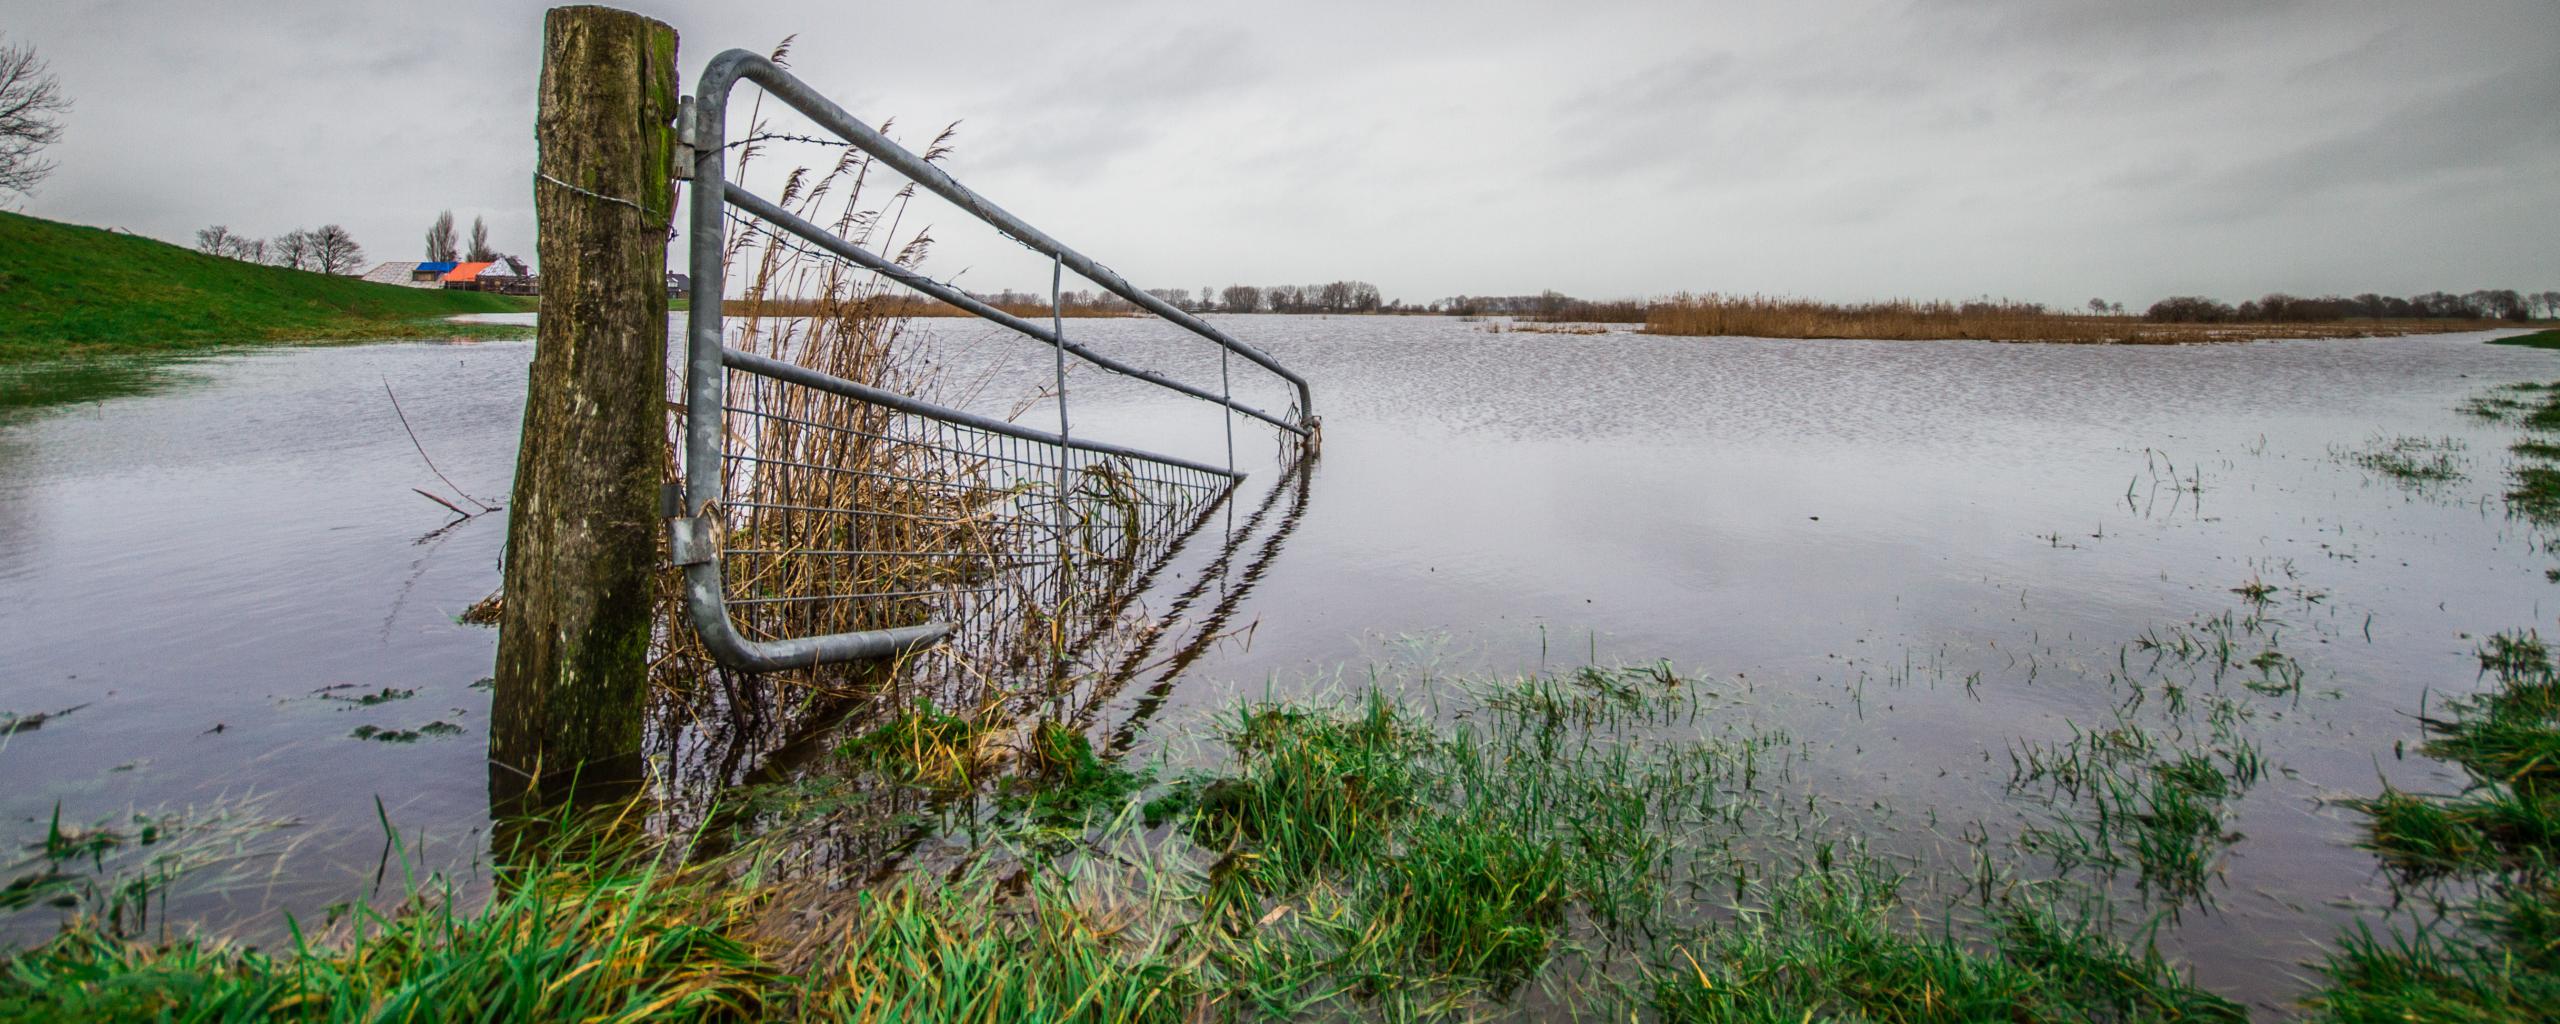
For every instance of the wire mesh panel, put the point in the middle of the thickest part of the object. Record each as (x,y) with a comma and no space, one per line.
(838,515)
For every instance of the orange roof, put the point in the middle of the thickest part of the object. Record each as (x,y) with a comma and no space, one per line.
(468,271)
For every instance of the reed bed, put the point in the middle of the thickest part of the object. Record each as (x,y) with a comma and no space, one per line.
(1760,316)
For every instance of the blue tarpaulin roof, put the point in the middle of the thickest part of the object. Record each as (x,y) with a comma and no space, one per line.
(445,267)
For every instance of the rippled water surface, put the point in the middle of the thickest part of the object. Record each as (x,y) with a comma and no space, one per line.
(1913,556)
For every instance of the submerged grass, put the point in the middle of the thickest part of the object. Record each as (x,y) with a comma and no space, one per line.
(1534,847)
(1824,947)
(2418,462)
(1545,847)
(2491,852)
(2534,491)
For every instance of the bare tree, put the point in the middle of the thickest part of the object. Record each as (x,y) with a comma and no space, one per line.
(291,250)
(247,250)
(333,251)
(215,240)
(442,245)
(1241,298)
(480,251)
(30,102)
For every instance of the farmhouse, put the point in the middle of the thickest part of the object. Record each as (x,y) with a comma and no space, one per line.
(505,274)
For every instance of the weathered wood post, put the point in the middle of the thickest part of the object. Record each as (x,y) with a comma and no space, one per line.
(573,633)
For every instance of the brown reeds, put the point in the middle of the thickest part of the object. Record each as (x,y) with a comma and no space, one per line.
(1759,316)
(827,497)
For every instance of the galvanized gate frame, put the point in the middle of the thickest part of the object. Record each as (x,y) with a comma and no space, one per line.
(701,147)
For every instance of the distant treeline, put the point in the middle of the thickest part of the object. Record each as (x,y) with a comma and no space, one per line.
(2487,304)
(2184,319)
(2279,308)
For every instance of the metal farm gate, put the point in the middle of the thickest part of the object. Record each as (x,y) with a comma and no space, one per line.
(828,520)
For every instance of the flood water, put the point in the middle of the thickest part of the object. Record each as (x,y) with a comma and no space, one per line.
(1913,556)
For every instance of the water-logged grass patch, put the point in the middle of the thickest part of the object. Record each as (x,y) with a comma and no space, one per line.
(927,746)
(2492,852)
(2413,461)
(379,734)
(1607,843)
(2536,448)
(365,699)
(43,384)
(1828,946)
(2494,408)
(2536,494)
(1313,790)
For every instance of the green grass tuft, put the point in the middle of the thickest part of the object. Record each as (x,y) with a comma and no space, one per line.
(1823,949)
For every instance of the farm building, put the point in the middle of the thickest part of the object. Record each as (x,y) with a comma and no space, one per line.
(505,274)
(408,272)
(508,275)
(464,276)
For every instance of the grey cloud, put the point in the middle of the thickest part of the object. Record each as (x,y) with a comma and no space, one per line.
(2040,148)
(2498,128)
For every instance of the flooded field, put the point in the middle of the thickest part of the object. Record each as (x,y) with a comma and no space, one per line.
(1929,574)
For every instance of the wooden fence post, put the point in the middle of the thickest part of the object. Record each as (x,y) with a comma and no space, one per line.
(573,634)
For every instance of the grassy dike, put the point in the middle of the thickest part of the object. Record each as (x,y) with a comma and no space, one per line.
(70,292)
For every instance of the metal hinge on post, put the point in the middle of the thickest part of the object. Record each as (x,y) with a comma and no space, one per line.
(688,537)
(685,138)
(689,541)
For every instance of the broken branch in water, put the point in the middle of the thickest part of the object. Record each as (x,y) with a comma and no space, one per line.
(430,496)
(431,462)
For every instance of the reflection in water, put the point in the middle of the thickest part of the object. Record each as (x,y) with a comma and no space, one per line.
(719,738)
(1232,590)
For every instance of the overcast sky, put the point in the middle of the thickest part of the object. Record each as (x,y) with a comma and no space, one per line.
(2043,149)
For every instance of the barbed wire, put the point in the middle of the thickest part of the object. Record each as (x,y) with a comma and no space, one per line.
(785,137)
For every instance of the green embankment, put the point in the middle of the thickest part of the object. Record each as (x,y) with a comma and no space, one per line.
(2538,339)
(67,290)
